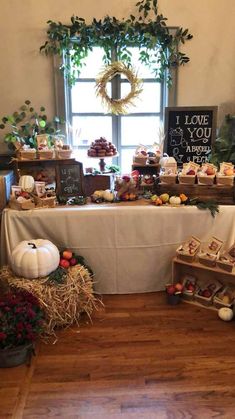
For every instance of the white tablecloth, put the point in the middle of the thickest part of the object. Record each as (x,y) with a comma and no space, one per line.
(130,248)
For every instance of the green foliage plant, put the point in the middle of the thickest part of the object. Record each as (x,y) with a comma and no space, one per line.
(159,48)
(26,123)
(224,145)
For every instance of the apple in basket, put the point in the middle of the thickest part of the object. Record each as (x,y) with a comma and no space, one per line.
(210,171)
(228,172)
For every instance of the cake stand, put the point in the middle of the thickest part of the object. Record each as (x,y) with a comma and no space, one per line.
(102,163)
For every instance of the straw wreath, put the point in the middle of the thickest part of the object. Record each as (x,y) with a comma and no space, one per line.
(118,106)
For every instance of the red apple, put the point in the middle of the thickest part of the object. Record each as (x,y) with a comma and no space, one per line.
(67,254)
(191,287)
(64,263)
(170,289)
(191,172)
(206,293)
(210,171)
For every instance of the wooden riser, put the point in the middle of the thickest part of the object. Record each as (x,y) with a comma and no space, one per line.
(221,194)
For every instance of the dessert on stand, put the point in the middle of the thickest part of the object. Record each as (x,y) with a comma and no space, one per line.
(101,149)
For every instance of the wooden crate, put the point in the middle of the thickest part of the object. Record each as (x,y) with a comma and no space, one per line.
(219,193)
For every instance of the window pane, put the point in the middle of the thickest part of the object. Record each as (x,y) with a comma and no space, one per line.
(94,64)
(84,98)
(147,101)
(140,130)
(88,128)
(127,159)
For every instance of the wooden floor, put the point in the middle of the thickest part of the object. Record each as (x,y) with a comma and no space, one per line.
(141,358)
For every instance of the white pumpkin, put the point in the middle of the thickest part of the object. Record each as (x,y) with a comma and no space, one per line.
(27,183)
(35,258)
(175,200)
(164,159)
(225,314)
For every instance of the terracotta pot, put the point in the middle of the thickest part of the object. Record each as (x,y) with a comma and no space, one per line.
(16,356)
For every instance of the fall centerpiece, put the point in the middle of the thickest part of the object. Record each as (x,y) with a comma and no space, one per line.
(21,322)
(174,292)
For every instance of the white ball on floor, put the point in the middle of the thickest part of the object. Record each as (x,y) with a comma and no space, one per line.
(225,314)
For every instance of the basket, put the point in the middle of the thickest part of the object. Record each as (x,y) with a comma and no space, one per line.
(140,160)
(26,154)
(63,154)
(185,257)
(205,260)
(45,154)
(226,264)
(219,303)
(45,202)
(224,180)
(205,180)
(187,179)
(168,179)
(26,205)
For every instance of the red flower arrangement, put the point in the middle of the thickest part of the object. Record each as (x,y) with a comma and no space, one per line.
(21,319)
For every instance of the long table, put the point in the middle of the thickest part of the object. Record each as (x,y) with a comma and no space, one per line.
(129,247)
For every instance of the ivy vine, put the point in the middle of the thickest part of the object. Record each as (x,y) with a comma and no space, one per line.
(159,48)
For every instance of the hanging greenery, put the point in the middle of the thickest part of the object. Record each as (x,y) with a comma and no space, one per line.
(223,149)
(118,106)
(159,48)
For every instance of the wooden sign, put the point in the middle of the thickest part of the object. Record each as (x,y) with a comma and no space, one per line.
(70,179)
(190,132)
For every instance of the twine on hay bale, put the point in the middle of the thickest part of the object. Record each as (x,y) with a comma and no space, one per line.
(62,303)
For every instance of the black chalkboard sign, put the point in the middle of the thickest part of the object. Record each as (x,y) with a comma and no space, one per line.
(190,132)
(70,179)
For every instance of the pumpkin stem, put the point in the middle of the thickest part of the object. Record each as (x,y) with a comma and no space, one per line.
(33,245)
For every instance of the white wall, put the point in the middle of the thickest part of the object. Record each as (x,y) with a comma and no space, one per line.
(209,78)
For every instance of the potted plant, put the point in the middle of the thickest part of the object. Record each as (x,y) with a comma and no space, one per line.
(26,123)
(21,322)
(174,292)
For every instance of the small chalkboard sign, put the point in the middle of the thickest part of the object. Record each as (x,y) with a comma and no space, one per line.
(70,179)
(190,132)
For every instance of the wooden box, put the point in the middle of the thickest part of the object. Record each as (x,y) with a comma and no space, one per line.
(168,179)
(221,194)
(26,155)
(188,250)
(205,180)
(187,179)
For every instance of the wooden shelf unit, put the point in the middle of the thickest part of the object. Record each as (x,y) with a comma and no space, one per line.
(181,268)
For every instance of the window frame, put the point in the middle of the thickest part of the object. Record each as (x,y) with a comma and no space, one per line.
(63,102)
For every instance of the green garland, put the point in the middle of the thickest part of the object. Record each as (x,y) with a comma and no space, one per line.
(159,49)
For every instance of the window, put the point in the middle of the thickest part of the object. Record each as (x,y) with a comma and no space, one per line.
(88,121)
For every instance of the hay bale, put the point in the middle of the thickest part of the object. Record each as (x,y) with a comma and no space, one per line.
(62,303)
